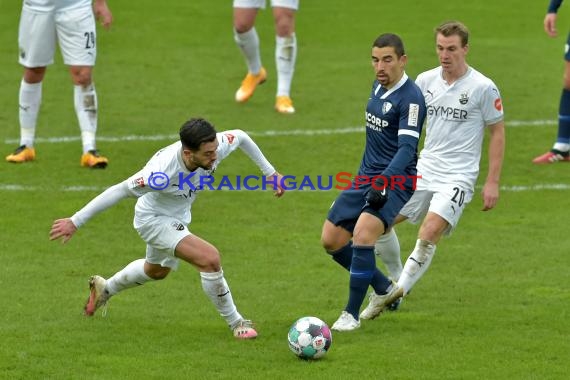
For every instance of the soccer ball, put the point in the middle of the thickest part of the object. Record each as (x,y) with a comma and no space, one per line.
(309,338)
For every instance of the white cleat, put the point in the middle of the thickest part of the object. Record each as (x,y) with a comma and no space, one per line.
(98,296)
(244,330)
(377,303)
(346,322)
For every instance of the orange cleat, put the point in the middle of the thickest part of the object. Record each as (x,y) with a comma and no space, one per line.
(284,104)
(22,154)
(92,159)
(249,84)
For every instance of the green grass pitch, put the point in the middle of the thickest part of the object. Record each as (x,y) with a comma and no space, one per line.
(494,304)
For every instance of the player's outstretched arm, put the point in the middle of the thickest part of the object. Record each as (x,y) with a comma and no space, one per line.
(250,148)
(62,228)
(65,228)
(490,192)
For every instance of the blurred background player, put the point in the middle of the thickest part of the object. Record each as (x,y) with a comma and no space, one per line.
(245,34)
(166,188)
(461,104)
(561,148)
(72,23)
(394,117)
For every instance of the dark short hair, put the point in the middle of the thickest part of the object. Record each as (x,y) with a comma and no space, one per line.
(391,40)
(195,132)
(453,28)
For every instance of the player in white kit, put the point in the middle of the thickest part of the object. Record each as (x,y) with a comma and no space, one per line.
(72,24)
(245,35)
(166,188)
(461,104)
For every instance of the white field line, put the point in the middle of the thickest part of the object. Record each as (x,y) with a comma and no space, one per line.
(294,132)
(98,189)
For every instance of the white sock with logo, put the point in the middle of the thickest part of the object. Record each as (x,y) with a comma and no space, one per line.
(130,276)
(387,248)
(30,100)
(85,101)
(217,289)
(417,264)
(285,57)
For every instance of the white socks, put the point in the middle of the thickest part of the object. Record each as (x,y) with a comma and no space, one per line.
(562,147)
(132,275)
(30,100)
(85,100)
(285,57)
(387,248)
(417,264)
(248,43)
(216,287)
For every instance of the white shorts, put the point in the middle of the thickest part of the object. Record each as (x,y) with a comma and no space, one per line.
(162,234)
(448,201)
(74,30)
(291,4)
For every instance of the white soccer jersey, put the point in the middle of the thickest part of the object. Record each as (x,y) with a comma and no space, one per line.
(456,117)
(55,5)
(166,187)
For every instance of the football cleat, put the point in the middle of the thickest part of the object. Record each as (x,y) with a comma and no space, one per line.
(377,303)
(394,306)
(98,296)
(284,104)
(244,330)
(346,322)
(22,154)
(551,157)
(92,159)
(249,84)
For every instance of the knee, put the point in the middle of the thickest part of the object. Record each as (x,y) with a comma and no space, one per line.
(34,75)
(364,237)
(241,27)
(210,262)
(157,272)
(328,246)
(430,233)
(81,76)
(329,243)
(285,24)
(284,30)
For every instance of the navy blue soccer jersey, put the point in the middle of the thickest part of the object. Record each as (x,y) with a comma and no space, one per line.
(394,121)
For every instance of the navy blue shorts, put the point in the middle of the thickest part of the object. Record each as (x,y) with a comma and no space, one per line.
(348,206)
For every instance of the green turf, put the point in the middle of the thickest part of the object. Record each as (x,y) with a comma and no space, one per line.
(494,304)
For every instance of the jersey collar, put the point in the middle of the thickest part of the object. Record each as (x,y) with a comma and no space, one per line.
(396,86)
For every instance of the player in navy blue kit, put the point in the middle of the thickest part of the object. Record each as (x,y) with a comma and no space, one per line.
(386,179)
(561,149)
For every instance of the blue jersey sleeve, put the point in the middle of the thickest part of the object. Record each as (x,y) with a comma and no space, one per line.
(554,5)
(407,148)
(412,115)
